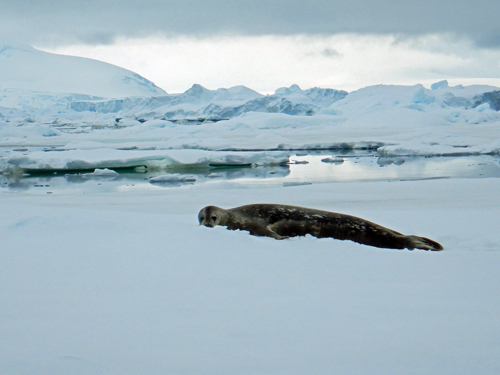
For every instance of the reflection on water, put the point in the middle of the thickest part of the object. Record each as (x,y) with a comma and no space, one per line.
(369,168)
(303,169)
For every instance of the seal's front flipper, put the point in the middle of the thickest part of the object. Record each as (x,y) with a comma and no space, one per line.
(269,232)
(266,231)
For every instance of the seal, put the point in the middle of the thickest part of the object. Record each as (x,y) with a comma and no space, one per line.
(282,221)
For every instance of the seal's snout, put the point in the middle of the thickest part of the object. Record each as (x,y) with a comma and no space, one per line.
(208,224)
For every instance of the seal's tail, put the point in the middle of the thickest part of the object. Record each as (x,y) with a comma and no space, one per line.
(424,243)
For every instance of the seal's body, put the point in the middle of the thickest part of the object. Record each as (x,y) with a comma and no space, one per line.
(282,221)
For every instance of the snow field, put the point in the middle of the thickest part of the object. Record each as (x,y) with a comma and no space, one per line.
(129,283)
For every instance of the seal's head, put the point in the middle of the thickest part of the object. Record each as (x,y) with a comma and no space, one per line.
(210,216)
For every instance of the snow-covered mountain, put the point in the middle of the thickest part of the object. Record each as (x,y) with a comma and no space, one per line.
(441,97)
(222,104)
(41,86)
(188,103)
(36,86)
(28,69)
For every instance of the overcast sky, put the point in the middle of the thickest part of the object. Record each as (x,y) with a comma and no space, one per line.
(265,44)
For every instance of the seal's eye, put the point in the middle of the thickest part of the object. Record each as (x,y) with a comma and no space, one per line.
(214,218)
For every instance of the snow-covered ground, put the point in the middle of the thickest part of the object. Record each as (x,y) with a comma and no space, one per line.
(103,277)
(127,282)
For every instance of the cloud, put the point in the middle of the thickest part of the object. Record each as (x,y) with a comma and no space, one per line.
(264,63)
(489,40)
(102,21)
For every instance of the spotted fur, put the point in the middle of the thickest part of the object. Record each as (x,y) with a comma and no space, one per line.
(283,221)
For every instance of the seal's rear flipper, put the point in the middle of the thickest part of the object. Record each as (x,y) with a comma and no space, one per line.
(424,243)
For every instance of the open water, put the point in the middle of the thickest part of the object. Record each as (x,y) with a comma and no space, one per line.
(303,168)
